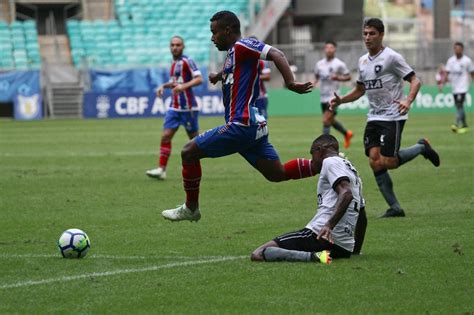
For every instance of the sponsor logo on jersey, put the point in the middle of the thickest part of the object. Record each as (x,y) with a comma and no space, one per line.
(373,84)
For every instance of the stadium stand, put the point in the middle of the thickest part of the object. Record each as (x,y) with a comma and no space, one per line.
(19,47)
(140,34)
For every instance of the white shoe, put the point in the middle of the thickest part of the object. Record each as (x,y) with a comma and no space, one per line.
(157,173)
(181,213)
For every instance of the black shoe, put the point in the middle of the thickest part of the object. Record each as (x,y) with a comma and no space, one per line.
(390,213)
(429,152)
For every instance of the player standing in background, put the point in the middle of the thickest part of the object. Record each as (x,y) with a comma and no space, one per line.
(262,100)
(440,77)
(245,131)
(338,228)
(459,67)
(183,110)
(265,74)
(381,72)
(329,71)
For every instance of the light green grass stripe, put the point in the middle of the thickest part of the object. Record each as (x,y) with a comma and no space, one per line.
(28,283)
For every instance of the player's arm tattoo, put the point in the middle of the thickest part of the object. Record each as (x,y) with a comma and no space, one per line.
(344,199)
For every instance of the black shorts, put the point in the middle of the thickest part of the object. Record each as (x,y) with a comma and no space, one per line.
(325,108)
(459,99)
(306,240)
(384,134)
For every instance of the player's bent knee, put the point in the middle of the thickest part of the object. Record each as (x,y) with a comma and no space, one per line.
(389,162)
(188,151)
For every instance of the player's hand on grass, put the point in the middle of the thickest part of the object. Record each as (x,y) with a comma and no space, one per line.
(334,102)
(178,89)
(300,88)
(403,106)
(326,234)
(159,91)
(215,77)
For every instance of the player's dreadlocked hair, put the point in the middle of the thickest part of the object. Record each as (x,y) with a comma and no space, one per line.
(227,18)
(327,141)
(375,23)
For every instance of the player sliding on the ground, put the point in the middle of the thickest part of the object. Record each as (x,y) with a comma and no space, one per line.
(338,228)
(245,131)
(184,75)
(381,71)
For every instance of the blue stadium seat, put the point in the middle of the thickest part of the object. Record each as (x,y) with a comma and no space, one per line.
(142,31)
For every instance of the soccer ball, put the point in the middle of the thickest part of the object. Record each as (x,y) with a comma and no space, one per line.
(74,243)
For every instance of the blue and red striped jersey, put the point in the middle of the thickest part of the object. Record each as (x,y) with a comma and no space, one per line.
(241,80)
(183,70)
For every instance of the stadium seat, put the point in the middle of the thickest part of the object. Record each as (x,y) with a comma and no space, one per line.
(19,48)
(142,30)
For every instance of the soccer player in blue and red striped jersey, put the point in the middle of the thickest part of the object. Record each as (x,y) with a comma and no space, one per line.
(245,131)
(184,74)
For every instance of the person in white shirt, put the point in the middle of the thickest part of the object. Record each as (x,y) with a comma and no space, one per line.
(381,74)
(338,228)
(459,66)
(329,71)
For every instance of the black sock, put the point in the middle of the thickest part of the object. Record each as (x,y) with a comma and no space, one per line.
(386,188)
(408,154)
(339,127)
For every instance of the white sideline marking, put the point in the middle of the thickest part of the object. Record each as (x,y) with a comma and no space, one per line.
(29,283)
(93,256)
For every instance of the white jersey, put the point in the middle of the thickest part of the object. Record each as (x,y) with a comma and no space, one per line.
(459,71)
(334,170)
(324,69)
(382,75)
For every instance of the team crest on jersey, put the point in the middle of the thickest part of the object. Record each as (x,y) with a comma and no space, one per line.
(378,68)
(228,61)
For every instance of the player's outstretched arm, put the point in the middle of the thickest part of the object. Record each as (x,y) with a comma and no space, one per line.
(353,95)
(344,198)
(280,61)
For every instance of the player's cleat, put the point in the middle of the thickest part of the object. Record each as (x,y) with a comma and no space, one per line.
(454,128)
(181,213)
(157,173)
(429,152)
(463,130)
(323,257)
(347,138)
(392,213)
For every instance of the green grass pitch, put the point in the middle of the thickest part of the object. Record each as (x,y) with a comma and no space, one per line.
(90,174)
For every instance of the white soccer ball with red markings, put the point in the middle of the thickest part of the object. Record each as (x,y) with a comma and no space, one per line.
(74,243)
